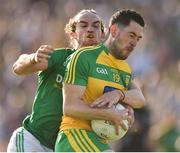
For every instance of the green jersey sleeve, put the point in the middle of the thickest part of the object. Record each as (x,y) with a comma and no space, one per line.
(77,69)
(58,56)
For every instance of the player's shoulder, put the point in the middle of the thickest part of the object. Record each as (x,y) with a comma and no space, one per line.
(63,50)
(89,51)
(125,65)
(90,48)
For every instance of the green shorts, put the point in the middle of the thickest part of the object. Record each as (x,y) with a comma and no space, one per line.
(80,140)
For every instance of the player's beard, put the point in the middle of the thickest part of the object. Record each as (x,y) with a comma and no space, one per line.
(117,52)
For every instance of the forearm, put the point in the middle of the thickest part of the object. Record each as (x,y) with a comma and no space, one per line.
(24,64)
(134,98)
(74,106)
(81,110)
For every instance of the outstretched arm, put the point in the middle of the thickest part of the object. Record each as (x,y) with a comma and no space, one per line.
(30,63)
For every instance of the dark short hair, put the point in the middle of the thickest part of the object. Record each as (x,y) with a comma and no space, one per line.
(124,17)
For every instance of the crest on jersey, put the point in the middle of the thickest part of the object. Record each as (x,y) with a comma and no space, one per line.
(127,80)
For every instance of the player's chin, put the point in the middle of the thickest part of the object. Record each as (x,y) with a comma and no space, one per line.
(92,42)
(125,55)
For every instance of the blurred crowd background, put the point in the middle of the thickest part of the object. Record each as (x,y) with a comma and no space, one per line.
(27,24)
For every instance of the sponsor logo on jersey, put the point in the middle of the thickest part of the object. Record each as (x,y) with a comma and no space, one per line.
(127,80)
(101,71)
(59,80)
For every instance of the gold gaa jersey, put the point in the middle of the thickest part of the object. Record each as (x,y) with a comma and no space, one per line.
(100,72)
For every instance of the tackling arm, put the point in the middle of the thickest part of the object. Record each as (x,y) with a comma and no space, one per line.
(134,97)
(74,106)
(30,63)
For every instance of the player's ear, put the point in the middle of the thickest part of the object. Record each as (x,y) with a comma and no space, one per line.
(113,30)
(103,36)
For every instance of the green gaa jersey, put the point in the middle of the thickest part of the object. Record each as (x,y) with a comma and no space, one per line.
(100,72)
(46,114)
